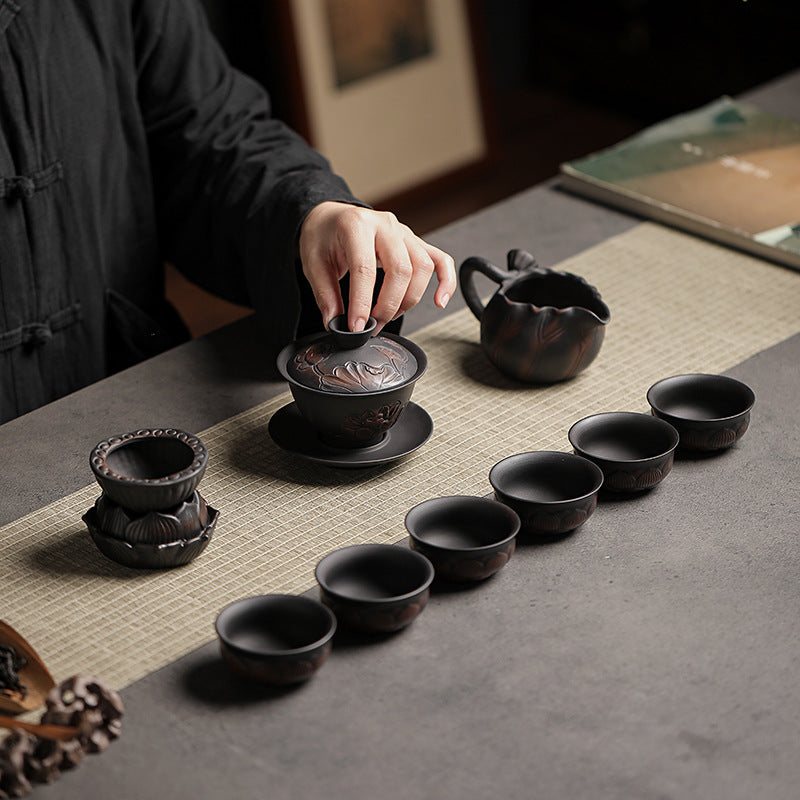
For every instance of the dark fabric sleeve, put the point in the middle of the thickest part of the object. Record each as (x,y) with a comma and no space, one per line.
(232,184)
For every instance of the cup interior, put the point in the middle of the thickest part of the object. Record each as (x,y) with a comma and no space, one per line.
(623,436)
(374,572)
(274,624)
(545,477)
(701,398)
(461,523)
(149,458)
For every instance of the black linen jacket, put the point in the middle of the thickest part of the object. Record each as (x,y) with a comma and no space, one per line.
(126,139)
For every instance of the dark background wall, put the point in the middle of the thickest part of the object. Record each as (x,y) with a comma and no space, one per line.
(650,57)
(643,58)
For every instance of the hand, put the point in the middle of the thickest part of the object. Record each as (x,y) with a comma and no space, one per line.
(337,238)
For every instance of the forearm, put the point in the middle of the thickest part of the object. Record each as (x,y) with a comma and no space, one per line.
(233,184)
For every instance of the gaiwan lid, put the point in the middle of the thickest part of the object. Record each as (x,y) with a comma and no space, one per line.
(345,362)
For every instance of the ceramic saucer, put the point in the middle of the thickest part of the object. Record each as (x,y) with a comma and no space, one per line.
(292,433)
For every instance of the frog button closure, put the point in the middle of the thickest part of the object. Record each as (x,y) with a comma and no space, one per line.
(17,186)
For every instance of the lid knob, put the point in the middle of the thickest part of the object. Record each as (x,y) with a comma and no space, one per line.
(344,338)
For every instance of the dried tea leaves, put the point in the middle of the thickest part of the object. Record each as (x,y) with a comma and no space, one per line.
(11,662)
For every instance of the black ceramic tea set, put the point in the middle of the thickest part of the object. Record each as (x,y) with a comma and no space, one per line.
(150,513)
(352,408)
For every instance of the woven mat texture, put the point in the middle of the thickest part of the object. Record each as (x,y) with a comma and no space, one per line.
(678,304)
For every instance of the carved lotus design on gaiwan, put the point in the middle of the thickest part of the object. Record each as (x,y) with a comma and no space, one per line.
(352,387)
(374,366)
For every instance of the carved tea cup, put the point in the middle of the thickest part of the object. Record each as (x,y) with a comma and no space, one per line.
(541,325)
(552,492)
(375,588)
(710,412)
(465,538)
(278,638)
(635,451)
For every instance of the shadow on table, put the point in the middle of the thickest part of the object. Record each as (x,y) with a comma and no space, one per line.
(350,639)
(533,540)
(252,450)
(476,366)
(212,682)
(442,587)
(608,499)
(689,456)
(73,553)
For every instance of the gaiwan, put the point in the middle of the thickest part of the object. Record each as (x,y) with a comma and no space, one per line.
(351,387)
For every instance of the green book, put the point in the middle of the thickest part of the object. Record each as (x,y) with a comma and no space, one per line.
(728,171)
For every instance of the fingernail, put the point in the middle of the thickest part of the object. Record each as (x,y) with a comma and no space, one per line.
(359,325)
(445,300)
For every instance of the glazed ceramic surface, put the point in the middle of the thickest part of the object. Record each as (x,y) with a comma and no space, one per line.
(634,451)
(541,325)
(466,538)
(350,418)
(150,469)
(710,412)
(552,492)
(290,431)
(377,588)
(278,639)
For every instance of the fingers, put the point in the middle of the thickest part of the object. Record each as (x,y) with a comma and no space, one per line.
(405,264)
(409,262)
(445,269)
(321,258)
(327,293)
(337,238)
(421,265)
(361,258)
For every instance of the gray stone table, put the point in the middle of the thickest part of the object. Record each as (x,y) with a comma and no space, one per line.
(653,654)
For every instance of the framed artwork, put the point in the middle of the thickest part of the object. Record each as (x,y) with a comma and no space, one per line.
(389,90)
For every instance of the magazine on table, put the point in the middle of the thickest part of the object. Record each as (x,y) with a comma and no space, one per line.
(728,171)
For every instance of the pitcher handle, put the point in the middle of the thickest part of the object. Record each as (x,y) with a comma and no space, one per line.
(466,278)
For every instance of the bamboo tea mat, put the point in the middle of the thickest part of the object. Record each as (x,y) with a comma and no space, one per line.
(678,304)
